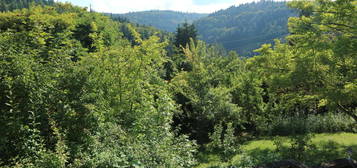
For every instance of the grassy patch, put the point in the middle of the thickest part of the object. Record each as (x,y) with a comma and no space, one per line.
(325,147)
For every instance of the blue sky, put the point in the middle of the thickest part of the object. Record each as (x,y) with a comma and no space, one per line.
(123,6)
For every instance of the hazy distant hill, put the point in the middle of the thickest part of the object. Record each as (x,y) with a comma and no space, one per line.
(245,27)
(241,28)
(164,20)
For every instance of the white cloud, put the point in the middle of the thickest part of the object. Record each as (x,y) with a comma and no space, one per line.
(124,6)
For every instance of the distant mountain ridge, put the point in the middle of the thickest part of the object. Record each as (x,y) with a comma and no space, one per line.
(246,27)
(162,19)
(240,28)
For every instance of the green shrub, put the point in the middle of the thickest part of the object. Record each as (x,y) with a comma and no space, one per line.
(251,159)
(297,149)
(328,123)
(331,123)
(114,147)
(223,141)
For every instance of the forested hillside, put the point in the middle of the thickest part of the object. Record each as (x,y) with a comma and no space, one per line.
(81,90)
(164,20)
(8,5)
(240,28)
(245,27)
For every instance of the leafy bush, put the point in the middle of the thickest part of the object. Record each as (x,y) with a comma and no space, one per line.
(327,123)
(115,147)
(297,148)
(223,141)
(248,160)
(331,123)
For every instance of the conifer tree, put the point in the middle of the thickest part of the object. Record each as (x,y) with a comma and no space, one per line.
(184,34)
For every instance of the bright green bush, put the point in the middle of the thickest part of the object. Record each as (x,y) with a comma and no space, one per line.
(73,93)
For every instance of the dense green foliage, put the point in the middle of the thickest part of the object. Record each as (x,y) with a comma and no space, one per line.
(76,94)
(164,20)
(313,74)
(305,80)
(8,5)
(245,27)
(78,89)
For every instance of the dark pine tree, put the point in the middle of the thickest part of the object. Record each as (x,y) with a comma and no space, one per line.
(178,61)
(184,33)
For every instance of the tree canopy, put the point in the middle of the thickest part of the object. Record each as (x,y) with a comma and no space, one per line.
(8,5)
